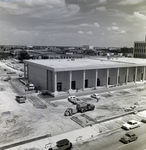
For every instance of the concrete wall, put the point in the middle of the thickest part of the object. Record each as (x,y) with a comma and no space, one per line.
(64,78)
(140,73)
(90,76)
(122,75)
(113,75)
(102,75)
(50,81)
(131,74)
(78,77)
(37,76)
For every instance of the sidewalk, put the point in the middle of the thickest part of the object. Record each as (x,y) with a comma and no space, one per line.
(77,136)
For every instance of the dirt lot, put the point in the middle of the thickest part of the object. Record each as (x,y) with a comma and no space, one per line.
(40,116)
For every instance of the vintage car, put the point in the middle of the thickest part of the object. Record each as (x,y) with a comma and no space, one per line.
(131,124)
(129,137)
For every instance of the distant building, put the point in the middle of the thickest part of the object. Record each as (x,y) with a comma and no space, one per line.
(127,52)
(139,49)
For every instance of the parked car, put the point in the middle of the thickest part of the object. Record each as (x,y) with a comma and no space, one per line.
(96,96)
(131,124)
(7,78)
(11,72)
(21,98)
(143,120)
(129,137)
(31,87)
(63,144)
(130,108)
(74,99)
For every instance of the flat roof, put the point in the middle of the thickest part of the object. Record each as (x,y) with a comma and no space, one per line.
(86,63)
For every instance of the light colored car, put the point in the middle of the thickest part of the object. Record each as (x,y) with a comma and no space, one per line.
(31,87)
(74,99)
(131,124)
(129,137)
(95,95)
(7,78)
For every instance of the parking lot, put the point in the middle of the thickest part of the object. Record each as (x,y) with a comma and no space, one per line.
(39,115)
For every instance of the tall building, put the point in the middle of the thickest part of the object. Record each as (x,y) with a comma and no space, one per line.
(140,49)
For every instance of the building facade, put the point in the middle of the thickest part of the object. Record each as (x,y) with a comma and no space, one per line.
(68,75)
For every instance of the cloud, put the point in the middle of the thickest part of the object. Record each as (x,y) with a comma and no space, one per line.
(139,16)
(102,9)
(114,24)
(90,25)
(89,32)
(85,25)
(96,24)
(39,8)
(116,30)
(80,32)
(102,1)
(130,2)
(122,32)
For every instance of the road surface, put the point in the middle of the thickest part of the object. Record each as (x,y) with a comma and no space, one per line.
(111,141)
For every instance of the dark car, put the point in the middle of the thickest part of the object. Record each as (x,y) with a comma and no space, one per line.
(143,120)
(129,137)
(63,144)
(21,98)
(11,72)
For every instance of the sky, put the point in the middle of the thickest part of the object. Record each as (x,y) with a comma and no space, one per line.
(100,23)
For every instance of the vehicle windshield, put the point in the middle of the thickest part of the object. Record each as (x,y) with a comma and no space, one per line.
(130,123)
(127,134)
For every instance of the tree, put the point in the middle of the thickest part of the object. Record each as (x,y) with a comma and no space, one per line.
(23,55)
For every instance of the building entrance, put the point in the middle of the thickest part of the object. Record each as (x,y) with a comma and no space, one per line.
(86,83)
(59,86)
(73,85)
(98,82)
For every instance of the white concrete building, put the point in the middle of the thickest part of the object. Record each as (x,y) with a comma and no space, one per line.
(67,75)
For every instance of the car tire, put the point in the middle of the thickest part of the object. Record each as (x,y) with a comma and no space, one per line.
(82,110)
(67,113)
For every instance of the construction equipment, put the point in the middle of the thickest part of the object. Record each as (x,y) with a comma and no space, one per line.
(80,107)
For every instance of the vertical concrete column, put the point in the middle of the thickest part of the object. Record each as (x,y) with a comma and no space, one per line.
(143,73)
(83,80)
(117,76)
(127,75)
(27,71)
(107,75)
(55,81)
(96,76)
(135,74)
(24,70)
(70,79)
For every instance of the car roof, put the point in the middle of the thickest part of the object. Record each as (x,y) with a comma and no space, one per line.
(62,142)
(132,121)
(130,133)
